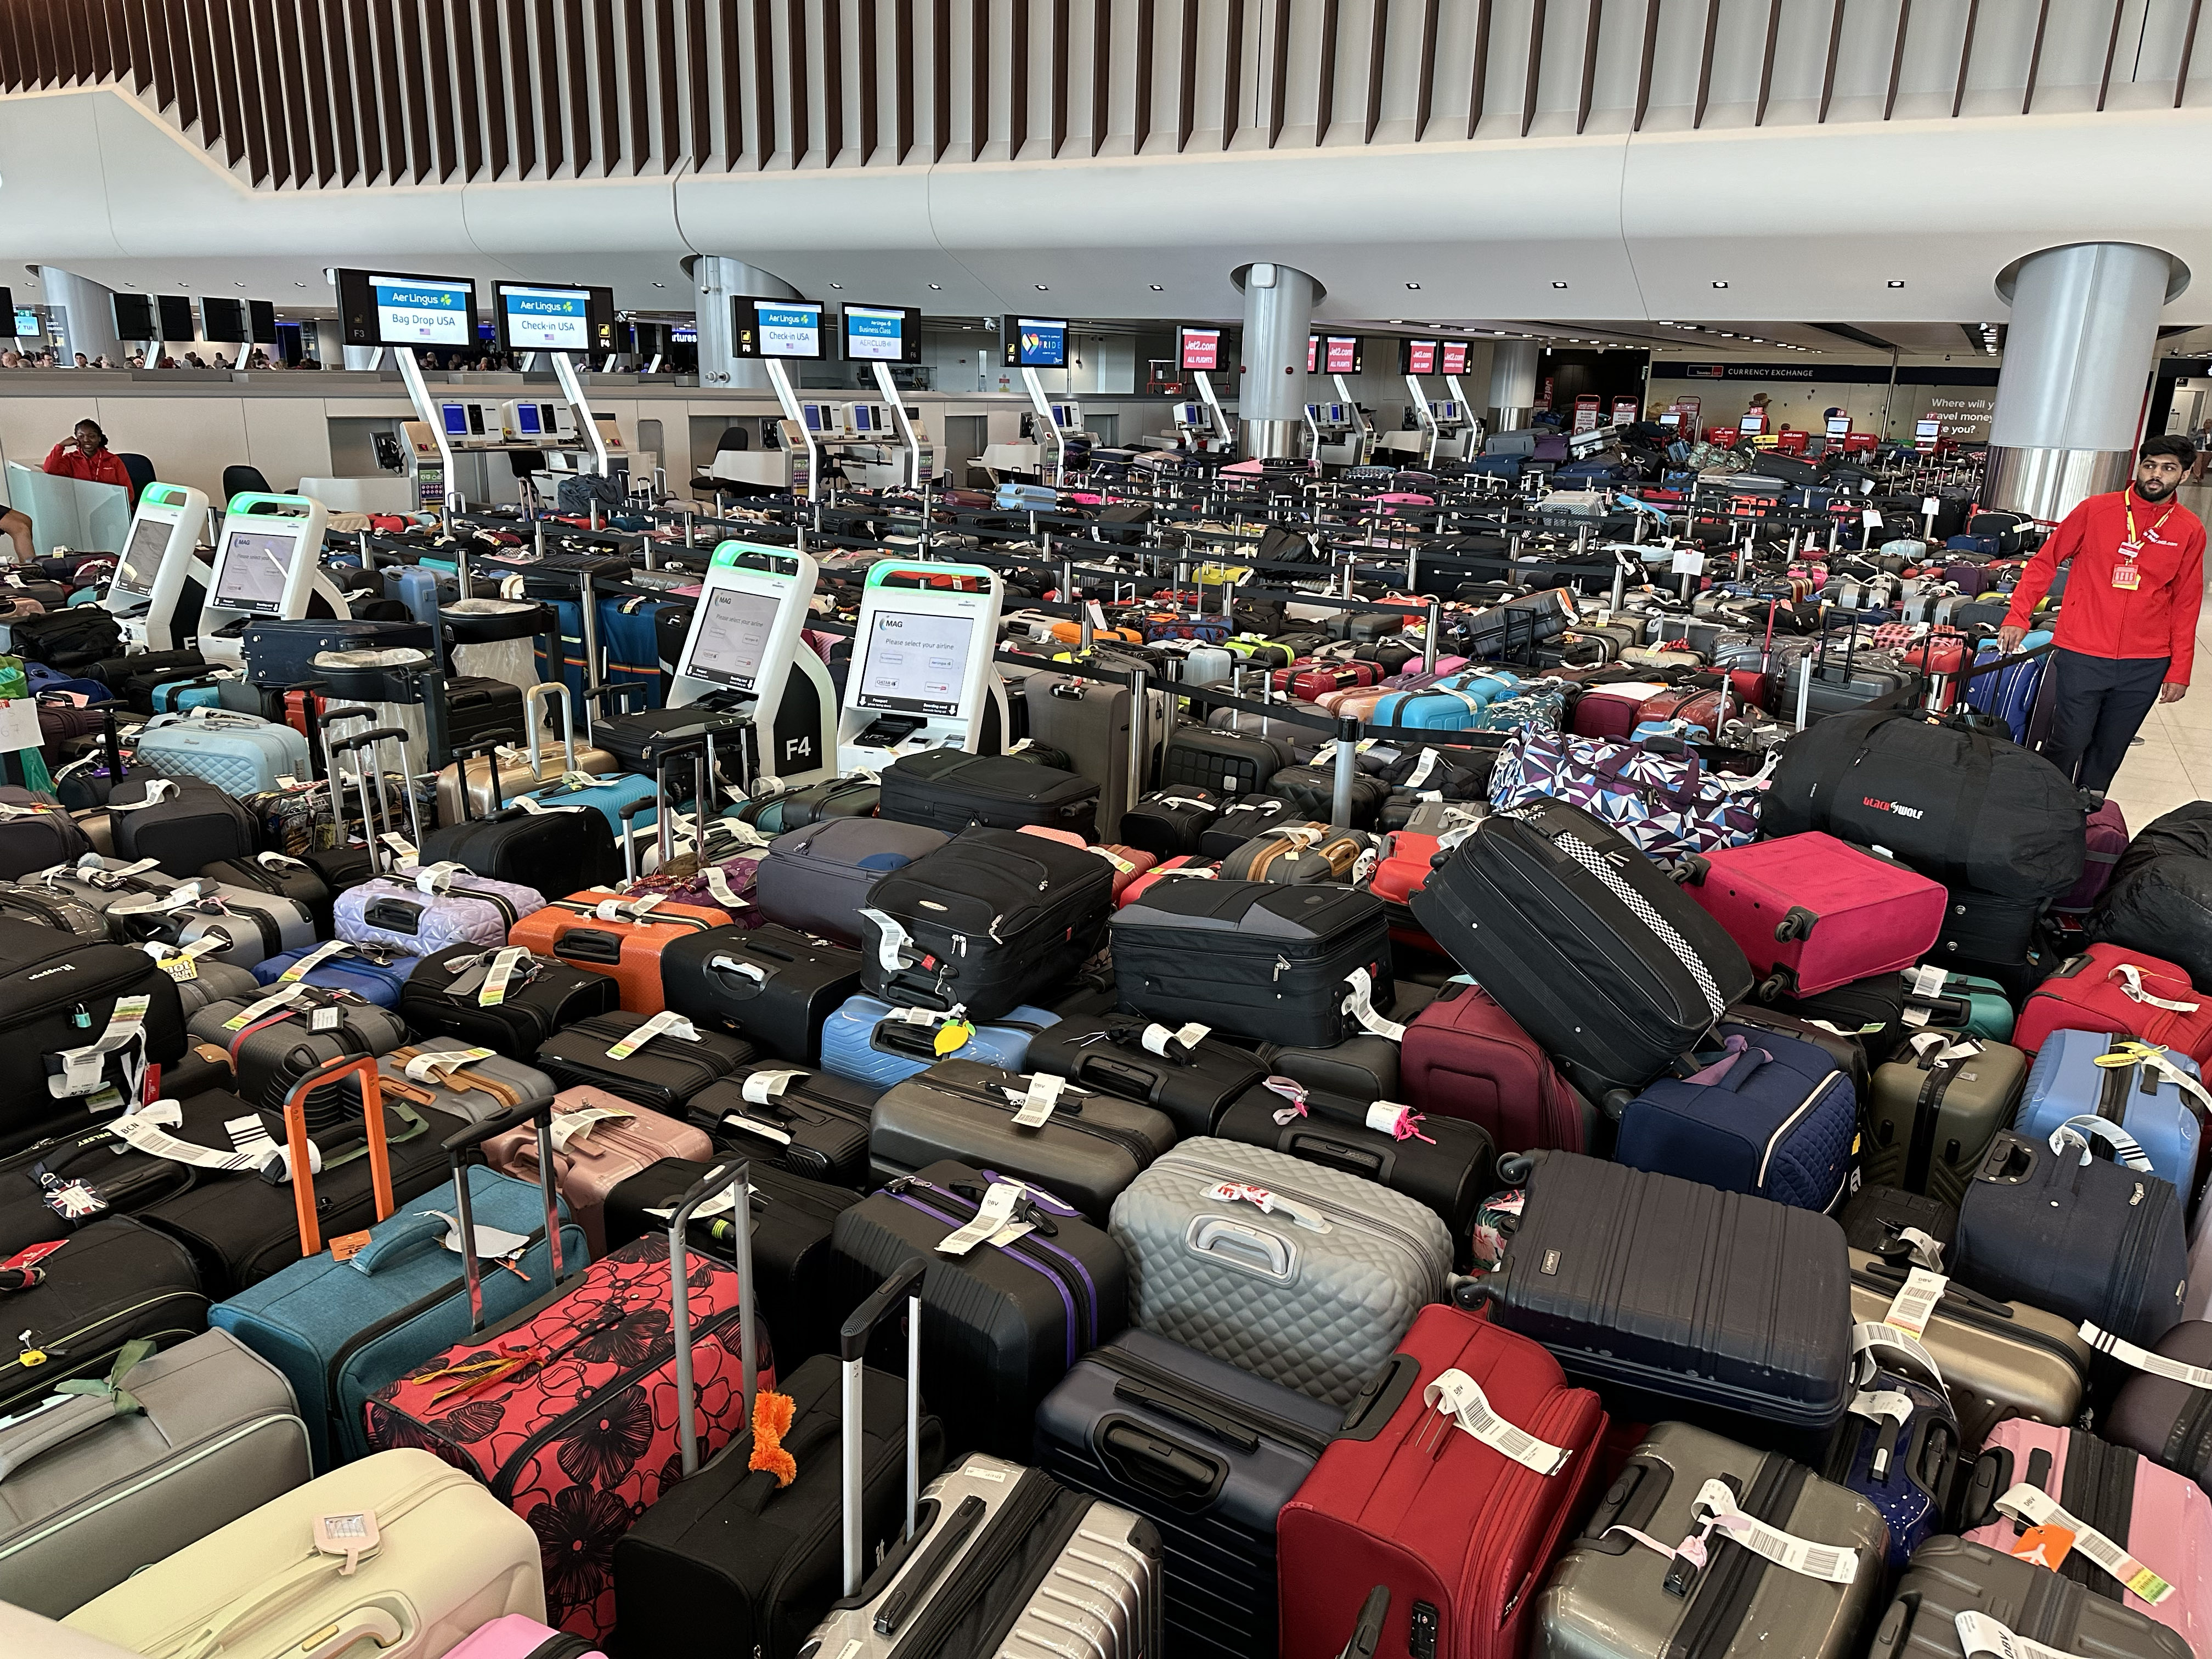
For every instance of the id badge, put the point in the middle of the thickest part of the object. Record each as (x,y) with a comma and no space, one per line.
(2126,577)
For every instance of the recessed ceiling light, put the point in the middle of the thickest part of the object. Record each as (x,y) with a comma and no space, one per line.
(1666,324)
(1558,285)
(1415,286)
(1499,332)
(937,287)
(1159,288)
(295,285)
(1720,284)
(661,285)
(1895,283)
(1041,288)
(1725,335)
(833,285)
(238,285)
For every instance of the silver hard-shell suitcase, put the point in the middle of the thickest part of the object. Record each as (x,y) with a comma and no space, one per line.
(1305,1275)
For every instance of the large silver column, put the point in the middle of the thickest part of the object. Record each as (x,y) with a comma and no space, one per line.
(88,316)
(362,357)
(719,281)
(2077,360)
(1271,394)
(1512,383)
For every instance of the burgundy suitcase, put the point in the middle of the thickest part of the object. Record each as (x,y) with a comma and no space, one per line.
(1611,712)
(1464,1057)
(1813,913)
(2108,839)
(1408,1498)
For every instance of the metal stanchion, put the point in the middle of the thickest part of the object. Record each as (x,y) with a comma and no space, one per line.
(1435,627)
(1347,763)
(1141,735)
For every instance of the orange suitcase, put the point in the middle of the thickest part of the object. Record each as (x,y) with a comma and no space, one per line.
(601,930)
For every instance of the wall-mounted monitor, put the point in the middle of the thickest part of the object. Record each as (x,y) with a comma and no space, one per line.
(553,316)
(1839,426)
(390,308)
(1199,349)
(777,328)
(1340,354)
(134,317)
(1313,354)
(261,321)
(1034,341)
(29,325)
(883,334)
(1417,356)
(223,320)
(1451,357)
(176,316)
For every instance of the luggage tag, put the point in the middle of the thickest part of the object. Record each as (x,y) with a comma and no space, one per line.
(1459,1402)
(2197,1377)
(314,959)
(1158,1039)
(72,1199)
(1914,1305)
(668,1023)
(1033,1105)
(499,975)
(495,1245)
(250,1139)
(1979,1633)
(891,942)
(142,1132)
(72,1073)
(717,883)
(2036,1507)
(627,909)
(2132,987)
(183,965)
(1267,1202)
(2081,1130)
(352,1535)
(267,1005)
(438,1066)
(993,1221)
(1833,1563)
(1360,1005)
(578,1124)
(2151,1057)
(436,879)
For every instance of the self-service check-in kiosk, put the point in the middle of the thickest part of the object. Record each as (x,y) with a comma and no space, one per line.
(745,645)
(267,564)
(921,675)
(160,556)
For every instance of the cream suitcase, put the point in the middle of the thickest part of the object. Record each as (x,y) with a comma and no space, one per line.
(450,1557)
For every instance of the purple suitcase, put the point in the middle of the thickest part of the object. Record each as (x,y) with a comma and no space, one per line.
(2108,839)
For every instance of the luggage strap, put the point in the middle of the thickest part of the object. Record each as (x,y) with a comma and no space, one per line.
(1715,1510)
(2132,987)
(2079,1131)
(2152,1057)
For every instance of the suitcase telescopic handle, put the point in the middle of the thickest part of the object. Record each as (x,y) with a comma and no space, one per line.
(735,1178)
(458,1146)
(1367,1631)
(904,1284)
(298,1146)
(628,813)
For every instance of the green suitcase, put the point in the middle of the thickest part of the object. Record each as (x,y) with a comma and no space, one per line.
(1957,1002)
(1933,1110)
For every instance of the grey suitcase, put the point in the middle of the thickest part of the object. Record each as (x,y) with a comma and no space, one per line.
(1313,1290)
(1947,1576)
(1612,1598)
(91,1491)
(249,926)
(274,1035)
(1090,1148)
(1089,720)
(449,1077)
(1007,1549)
(817,879)
(205,980)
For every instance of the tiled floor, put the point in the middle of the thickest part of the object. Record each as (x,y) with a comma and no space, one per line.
(2173,762)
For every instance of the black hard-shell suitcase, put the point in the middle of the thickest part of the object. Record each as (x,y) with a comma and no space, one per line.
(989,920)
(1580,939)
(182,824)
(1005,1322)
(1947,1576)
(1240,819)
(662,1075)
(1253,959)
(1208,1454)
(561,849)
(810,1122)
(282,878)
(1170,823)
(449,993)
(114,1282)
(774,984)
(944,789)
(1230,763)
(36,832)
(1190,1082)
(1446,1164)
(2083,1237)
(1679,1300)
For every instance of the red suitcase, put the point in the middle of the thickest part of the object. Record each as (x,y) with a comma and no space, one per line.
(1129,862)
(1307,683)
(1461,1533)
(1813,913)
(1698,707)
(1611,711)
(1189,867)
(569,1412)
(2112,988)
(1464,1057)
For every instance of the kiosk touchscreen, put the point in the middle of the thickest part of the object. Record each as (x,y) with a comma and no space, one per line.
(746,646)
(921,676)
(158,556)
(265,565)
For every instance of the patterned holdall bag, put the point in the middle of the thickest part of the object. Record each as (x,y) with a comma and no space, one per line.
(1668,806)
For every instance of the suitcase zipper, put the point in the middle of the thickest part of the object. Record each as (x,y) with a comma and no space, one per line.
(1072,1283)
(1066,1116)
(1166,1382)
(1791,1122)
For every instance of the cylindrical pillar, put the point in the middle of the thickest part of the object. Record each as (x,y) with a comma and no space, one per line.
(362,357)
(86,316)
(1512,383)
(1271,396)
(719,281)
(2077,362)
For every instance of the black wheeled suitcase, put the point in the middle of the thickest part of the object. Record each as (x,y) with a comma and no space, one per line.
(944,789)
(1209,1455)
(1242,819)
(661,1073)
(182,824)
(1170,823)
(451,993)
(553,850)
(1005,1321)
(1679,1300)
(1188,1076)
(1229,763)
(810,1122)
(774,984)
(73,1305)
(1581,940)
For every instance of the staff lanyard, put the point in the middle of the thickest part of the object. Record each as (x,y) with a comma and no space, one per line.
(2133,544)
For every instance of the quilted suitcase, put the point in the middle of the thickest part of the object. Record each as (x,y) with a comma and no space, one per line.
(1458,1527)
(816,879)
(450,993)
(1932,1111)
(239,754)
(1811,912)
(775,986)
(1003,1321)
(605,932)
(2109,989)
(1185,1073)
(1611,1595)
(449,1558)
(599,1140)
(165,1449)
(2152,1094)
(659,1063)
(2161,1520)
(1952,1588)
(1225,1257)
(1464,1057)
(422,911)
(635,1378)
(871,1042)
(1681,1301)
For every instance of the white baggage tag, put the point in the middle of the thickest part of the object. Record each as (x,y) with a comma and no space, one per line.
(577,1125)
(1112,858)
(1878,1403)
(1922,1249)
(2197,1377)
(183,965)
(1979,1633)
(497,976)
(1399,1122)
(138,1130)
(1929,979)
(325,1019)
(399,844)
(1458,1396)
(627,909)
(2132,987)
(717,884)
(1915,1304)
(426,1069)
(1033,1105)
(762,1087)
(1422,768)
(1360,1005)
(267,1005)
(492,1243)
(1876,1335)
(767,1130)
(996,1212)
(1830,1562)
(891,941)
(668,1023)
(436,879)
(1688,561)
(2037,1508)
(752,971)
(314,959)
(1156,1037)
(1267,1203)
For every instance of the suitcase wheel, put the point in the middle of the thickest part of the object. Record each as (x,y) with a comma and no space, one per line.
(1773,985)
(1797,924)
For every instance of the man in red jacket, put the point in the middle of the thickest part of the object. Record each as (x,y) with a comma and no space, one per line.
(85,454)
(2127,624)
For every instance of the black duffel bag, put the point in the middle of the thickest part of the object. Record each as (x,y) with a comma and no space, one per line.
(1963,808)
(2159,899)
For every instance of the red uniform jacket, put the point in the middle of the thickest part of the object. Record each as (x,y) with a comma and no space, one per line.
(2157,618)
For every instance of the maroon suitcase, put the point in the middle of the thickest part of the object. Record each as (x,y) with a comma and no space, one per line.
(2108,839)
(1611,711)
(1464,1057)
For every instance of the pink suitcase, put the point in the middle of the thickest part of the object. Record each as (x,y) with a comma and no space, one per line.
(592,1154)
(2108,839)
(2164,1520)
(1814,913)
(517,1636)
(1611,712)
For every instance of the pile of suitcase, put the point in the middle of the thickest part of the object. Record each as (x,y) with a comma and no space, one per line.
(1643,1181)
